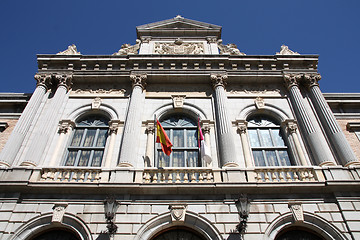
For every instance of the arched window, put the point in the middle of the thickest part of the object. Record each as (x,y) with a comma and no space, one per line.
(178,233)
(56,234)
(298,234)
(88,142)
(267,143)
(182,132)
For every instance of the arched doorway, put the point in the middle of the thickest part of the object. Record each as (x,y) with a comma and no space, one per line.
(56,234)
(178,232)
(298,233)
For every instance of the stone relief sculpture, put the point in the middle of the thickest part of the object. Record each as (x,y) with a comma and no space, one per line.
(284,50)
(179,47)
(229,49)
(129,49)
(71,50)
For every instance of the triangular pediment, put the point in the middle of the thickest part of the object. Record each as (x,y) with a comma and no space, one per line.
(177,26)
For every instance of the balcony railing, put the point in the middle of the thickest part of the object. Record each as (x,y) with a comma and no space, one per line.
(178,175)
(285,174)
(70,175)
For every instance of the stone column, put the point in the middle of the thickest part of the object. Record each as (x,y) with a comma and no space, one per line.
(131,135)
(242,129)
(46,124)
(113,128)
(291,127)
(225,138)
(205,128)
(336,136)
(149,155)
(17,136)
(65,126)
(316,141)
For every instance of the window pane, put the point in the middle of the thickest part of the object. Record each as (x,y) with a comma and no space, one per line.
(192,159)
(178,138)
(89,138)
(254,139)
(77,137)
(96,162)
(259,158)
(271,158)
(277,137)
(163,159)
(101,140)
(265,138)
(178,159)
(284,158)
(84,158)
(71,158)
(191,138)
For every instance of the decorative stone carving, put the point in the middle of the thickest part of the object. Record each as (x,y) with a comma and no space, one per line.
(212,39)
(259,103)
(178,212)
(114,126)
(297,211)
(58,212)
(64,80)
(205,129)
(145,39)
(284,50)
(292,79)
(312,79)
(178,100)
(291,126)
(150,129)
(43,80)
(219,79)
(229,49)
(71,50)
(179,47)
(242,127)
(96,103)
(65,126)
(138,80)
(100,91)
(127,49)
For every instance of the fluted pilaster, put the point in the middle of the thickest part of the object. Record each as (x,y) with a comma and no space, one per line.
(12,147)
(48,121)
(316,141)
(149,155)
(128,153)
(336,136)
(242,130)
(225,137)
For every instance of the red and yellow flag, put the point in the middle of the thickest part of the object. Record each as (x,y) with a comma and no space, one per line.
(163,139)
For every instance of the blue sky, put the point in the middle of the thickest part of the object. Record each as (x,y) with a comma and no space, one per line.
(328,28)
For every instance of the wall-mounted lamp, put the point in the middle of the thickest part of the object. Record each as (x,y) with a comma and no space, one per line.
(243,207)
(110,205)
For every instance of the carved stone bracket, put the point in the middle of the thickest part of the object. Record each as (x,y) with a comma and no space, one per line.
(178,100)
(64,80)
(65,125)
(297,211)
(178,212)
(259,103)
(96,103)
(138,80)
(219,80)
(43,80)
(114,126)
(127,49)
(292,79)
(312,80)
(71,50)
(58,212)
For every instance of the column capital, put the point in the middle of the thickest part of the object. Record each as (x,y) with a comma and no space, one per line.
(145,39)
(241,126)
(150,129)
(65,125)
(64,80)
(291,126)
(291,80)
(114,126)
(212,39)
(43,80)
(312,79)
(138,80)
(219,79)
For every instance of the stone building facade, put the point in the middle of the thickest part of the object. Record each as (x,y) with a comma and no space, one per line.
(281,159)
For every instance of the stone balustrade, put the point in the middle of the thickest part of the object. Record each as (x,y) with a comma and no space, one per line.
(71,174)
(178,175)
(285,174)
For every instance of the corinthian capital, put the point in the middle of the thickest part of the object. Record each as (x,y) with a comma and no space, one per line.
(312,79)
(64,80)
(43,80)
(219,79)
(291,80)
(138,80)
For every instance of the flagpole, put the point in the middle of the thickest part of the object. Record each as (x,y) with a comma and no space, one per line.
(155,135)
(199,141)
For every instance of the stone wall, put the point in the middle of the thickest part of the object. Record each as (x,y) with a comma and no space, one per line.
(6,133)
(350,136)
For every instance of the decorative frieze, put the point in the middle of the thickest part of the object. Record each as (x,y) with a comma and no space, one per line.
(99,91)
(179,47)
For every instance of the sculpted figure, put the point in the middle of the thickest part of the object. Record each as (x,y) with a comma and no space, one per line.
(229,49)
(129,49)
(71,50)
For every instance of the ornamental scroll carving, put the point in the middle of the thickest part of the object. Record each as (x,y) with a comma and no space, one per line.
(179,47)
(127,49)
(312,80)
(178,212)
(218,80)
(292,80)
(229,49)
(43,80)
(71,50)
(100,91)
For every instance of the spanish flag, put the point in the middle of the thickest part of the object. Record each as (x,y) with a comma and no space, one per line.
(163,139)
